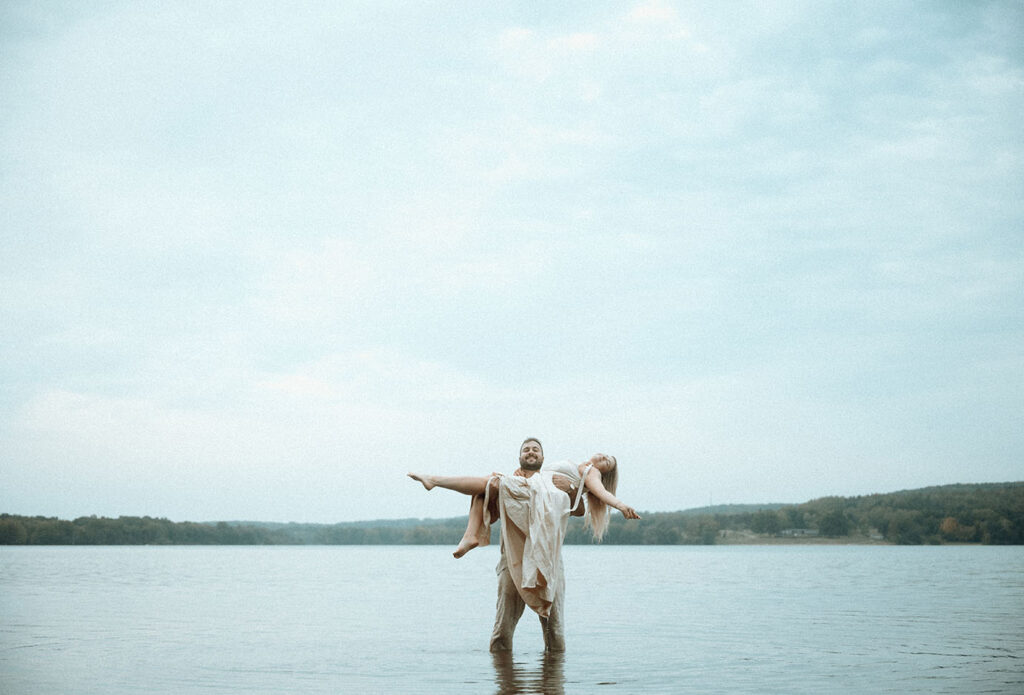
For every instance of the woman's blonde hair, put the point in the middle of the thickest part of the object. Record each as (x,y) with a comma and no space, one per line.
(597,511)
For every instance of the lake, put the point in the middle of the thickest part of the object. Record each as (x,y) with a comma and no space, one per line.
(411,619)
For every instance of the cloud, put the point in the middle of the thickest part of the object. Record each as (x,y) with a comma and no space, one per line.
(332,280)
(752,250)
(382,376)
(656,11)
(526,54)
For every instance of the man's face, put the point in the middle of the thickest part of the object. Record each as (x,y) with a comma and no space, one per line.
(531,456)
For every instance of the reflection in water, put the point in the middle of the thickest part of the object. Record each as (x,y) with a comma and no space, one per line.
(513,678)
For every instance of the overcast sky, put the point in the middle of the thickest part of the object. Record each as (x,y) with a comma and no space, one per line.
(259,259)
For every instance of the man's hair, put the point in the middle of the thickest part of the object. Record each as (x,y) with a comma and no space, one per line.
(532,439)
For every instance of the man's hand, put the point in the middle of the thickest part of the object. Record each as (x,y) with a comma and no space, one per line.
(564,484)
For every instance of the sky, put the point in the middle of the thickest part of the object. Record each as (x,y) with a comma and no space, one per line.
(261,259)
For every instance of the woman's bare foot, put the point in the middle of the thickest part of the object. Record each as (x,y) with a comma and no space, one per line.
(426,480)
(465,546)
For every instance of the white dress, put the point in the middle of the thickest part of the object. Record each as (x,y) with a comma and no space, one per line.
(571,471)
(534,517)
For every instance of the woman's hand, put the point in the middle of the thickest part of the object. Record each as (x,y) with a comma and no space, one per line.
(628,512)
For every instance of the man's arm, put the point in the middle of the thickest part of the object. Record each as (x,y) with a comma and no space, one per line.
(564,484)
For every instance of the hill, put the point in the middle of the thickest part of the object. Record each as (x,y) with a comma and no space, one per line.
(986,513)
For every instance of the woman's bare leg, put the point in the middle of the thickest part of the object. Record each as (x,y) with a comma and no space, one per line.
(471,538)
(466,484)
(477,532)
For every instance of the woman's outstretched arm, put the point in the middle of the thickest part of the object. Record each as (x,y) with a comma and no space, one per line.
(597,489)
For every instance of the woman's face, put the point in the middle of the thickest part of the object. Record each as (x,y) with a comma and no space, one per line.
(602,462)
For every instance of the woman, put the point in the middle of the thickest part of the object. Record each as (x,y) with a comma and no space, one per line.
(599,476)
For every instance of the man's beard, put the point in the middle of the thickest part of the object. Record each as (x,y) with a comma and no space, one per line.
(533,465)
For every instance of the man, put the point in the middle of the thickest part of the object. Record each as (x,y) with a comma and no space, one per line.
(534,514)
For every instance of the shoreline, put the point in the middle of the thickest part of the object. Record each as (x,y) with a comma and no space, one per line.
(748,538)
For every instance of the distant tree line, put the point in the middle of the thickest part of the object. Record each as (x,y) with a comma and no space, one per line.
(133,530)
(992,514)
(986,513)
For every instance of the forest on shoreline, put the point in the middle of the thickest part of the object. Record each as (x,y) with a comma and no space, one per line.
(985,513)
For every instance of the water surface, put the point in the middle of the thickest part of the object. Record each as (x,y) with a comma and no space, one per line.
(410,619)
